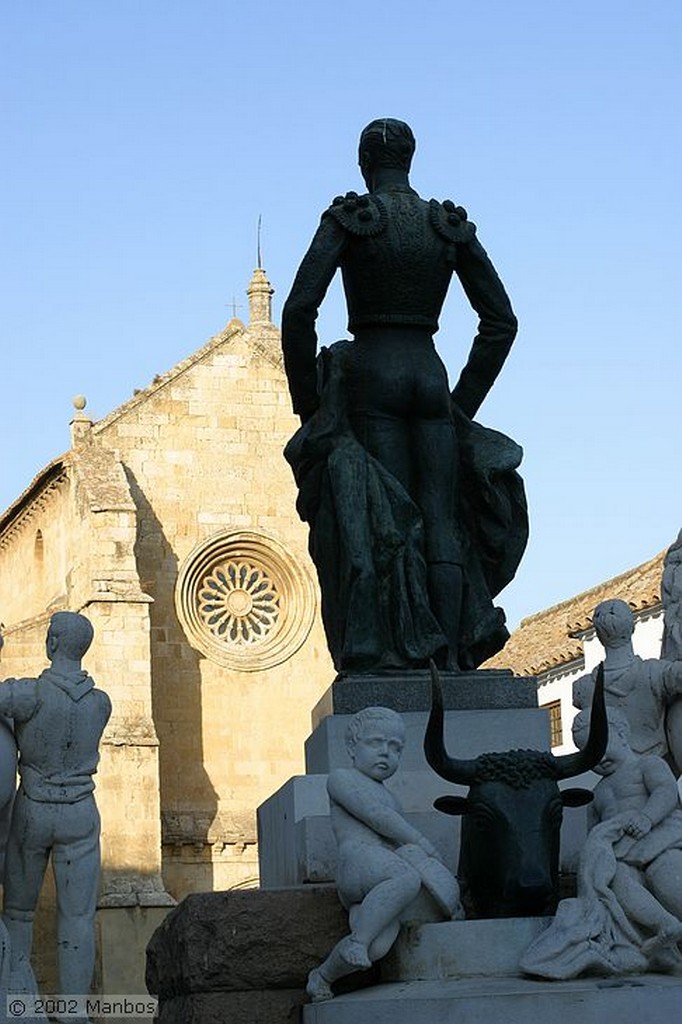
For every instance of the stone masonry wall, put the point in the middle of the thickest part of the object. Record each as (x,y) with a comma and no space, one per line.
(34,569)
(202,450)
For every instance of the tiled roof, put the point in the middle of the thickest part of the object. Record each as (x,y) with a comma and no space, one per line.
(548,638)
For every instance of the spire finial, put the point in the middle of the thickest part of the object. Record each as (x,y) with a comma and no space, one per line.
(81,425)
(260,293)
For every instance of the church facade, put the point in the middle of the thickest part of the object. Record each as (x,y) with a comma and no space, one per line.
(171,525)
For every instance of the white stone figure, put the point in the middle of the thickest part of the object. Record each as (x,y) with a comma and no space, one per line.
(628,914)
(671,647)
(644,689)
(8,783)
(58,719)
(382,861)
(671,599)
(8,770)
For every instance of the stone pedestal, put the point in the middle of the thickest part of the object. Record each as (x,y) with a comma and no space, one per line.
(245,956)
(411,691)
(485,711)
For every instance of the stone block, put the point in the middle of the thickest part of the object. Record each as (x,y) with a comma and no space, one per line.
(245,940)
(300,797)
(463,691)
(467,734)
(295,840)
(315,855)
(460,949)
(278,1006)
(316,848)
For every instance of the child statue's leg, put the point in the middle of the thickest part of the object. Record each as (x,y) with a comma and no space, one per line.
(374,928)
(641,906)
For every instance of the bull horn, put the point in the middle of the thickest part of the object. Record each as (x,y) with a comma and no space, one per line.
(593,751)
(450,768)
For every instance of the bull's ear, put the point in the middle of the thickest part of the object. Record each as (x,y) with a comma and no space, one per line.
(451,804)
(576,797)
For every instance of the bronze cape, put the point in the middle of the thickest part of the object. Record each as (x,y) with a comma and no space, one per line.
(367,542)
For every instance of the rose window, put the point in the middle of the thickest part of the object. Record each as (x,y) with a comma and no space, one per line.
(243,601)
(239,603)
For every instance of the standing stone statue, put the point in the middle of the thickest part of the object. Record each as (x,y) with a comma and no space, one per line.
(628,912)
(671,647)
(58,719)
(382,860)
(644,688)
(417,515)
(8,774)
(671,599)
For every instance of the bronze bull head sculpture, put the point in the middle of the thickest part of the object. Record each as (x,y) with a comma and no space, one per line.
(509,853)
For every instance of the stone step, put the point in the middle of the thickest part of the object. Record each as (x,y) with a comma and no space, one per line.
(651,998)
(457,949)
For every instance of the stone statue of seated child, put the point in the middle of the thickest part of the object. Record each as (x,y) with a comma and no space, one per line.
(628,914)
(639,796)
(382,860)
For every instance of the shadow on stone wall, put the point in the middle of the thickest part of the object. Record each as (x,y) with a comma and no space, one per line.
(189,802)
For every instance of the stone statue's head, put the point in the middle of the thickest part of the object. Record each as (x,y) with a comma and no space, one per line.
(375,738)
(70,634)
(613,622)
(386,142)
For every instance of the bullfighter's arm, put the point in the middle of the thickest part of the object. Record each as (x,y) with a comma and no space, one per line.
(299,339)
(496,328)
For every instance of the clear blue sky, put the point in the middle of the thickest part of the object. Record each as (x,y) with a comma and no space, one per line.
(142,140)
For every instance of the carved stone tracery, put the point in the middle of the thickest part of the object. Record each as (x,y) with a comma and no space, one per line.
(239,603)
(243,601)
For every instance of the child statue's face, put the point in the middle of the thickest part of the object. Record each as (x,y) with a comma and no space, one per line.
(377,750)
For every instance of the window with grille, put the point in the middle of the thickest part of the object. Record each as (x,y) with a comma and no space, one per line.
(555,731)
